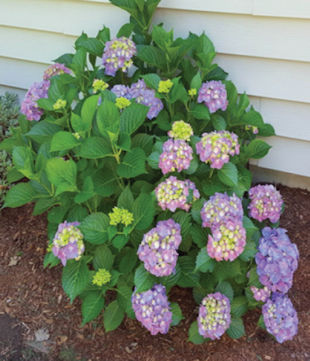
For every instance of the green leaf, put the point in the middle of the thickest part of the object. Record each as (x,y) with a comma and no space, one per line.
(200,111)
(177,316)
(50,260)
(92,305)
(218,122)
(87,191)
(143,211)
(125,30)
(103,258)
(143,280)
(257,149)
(95,148)
(95,228)
(188,276)
(133,117)
(196,81)
(171,280)
(62,173)
(92,45)
(105,183)
(79,61)
(108,117)
(152,56)
(18,195)
(75,276)
(261,322)
(133,164)
(204,262)
(120,241)
(23,161)
(249,226)
(42,205)
(225,270)
(125,200)
(128,261)
(239,306)
(77,123)
(113,316)
(193,334)
(252,117)
(43,131)
(144,141)
(226,289)
(63,141)
(151,80)
(236,329)
(267,130)
(228,174)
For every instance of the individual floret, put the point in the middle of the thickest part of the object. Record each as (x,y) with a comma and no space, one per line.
(158,249)
(55,69)
(260,294)
(118,55)
(68,242)
(181,130)
(29,105)
(152,309)
(173,193)
(266,202)
(276,259)
(213,94)
(176,156)
(227,241)
(280,317)
(219,208)
(214,316)
(216,147)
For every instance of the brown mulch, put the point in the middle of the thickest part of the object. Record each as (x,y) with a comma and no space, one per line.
(32,299)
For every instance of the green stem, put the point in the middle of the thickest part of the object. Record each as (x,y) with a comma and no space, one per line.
(211,173)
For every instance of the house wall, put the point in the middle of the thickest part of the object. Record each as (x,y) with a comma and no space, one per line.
(263,44)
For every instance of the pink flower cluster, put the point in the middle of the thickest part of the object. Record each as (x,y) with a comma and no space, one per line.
(152,309)
(176,155)
(29,105)
(214,316)
(219,208)
(117,55)
(55,69)
(261,294)
(266,202)
(216,147)
(213,94)
(158,249)
(173,193)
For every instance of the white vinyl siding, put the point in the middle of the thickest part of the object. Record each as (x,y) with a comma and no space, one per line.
(263,44)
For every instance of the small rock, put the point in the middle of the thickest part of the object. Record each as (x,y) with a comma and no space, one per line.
(41,334)
(13,261)
(128,350)
(267,357)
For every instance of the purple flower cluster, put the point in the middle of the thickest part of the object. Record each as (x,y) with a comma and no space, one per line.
(117,55)
(227,241)
(214,316)
(68,242)
(55,69)
(266,202)
(276,259)
(152,309)
(216,147)
(213,94)
(142,94)
(220,208)
(260,294)
(176,155)
(29,105)
(158,249)
(280,317)
(173,193)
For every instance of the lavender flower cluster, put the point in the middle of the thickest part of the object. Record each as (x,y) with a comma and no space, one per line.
(260,294)
(152,309)
(39,90)
(213,94)
(219,208)
(173,193)
(216,147)
(158,249)
(176,155)
(118,54)
(280,317)
(142,94)
(68,242)
(214,316)
(276,259)
(266,202)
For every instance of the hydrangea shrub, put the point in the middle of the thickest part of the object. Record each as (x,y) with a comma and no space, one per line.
(137,147)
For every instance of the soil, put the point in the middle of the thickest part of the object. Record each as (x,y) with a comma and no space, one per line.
(38,323)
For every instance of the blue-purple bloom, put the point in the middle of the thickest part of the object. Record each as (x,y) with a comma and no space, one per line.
(276,259)
(152,309)
(158,249)
(68,242)
(214,316)
(280,317)
(213,94)
(118,54)
(29,105)
(55,69)
(260,294)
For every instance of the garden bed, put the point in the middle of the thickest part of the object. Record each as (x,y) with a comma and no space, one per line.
(32,299)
